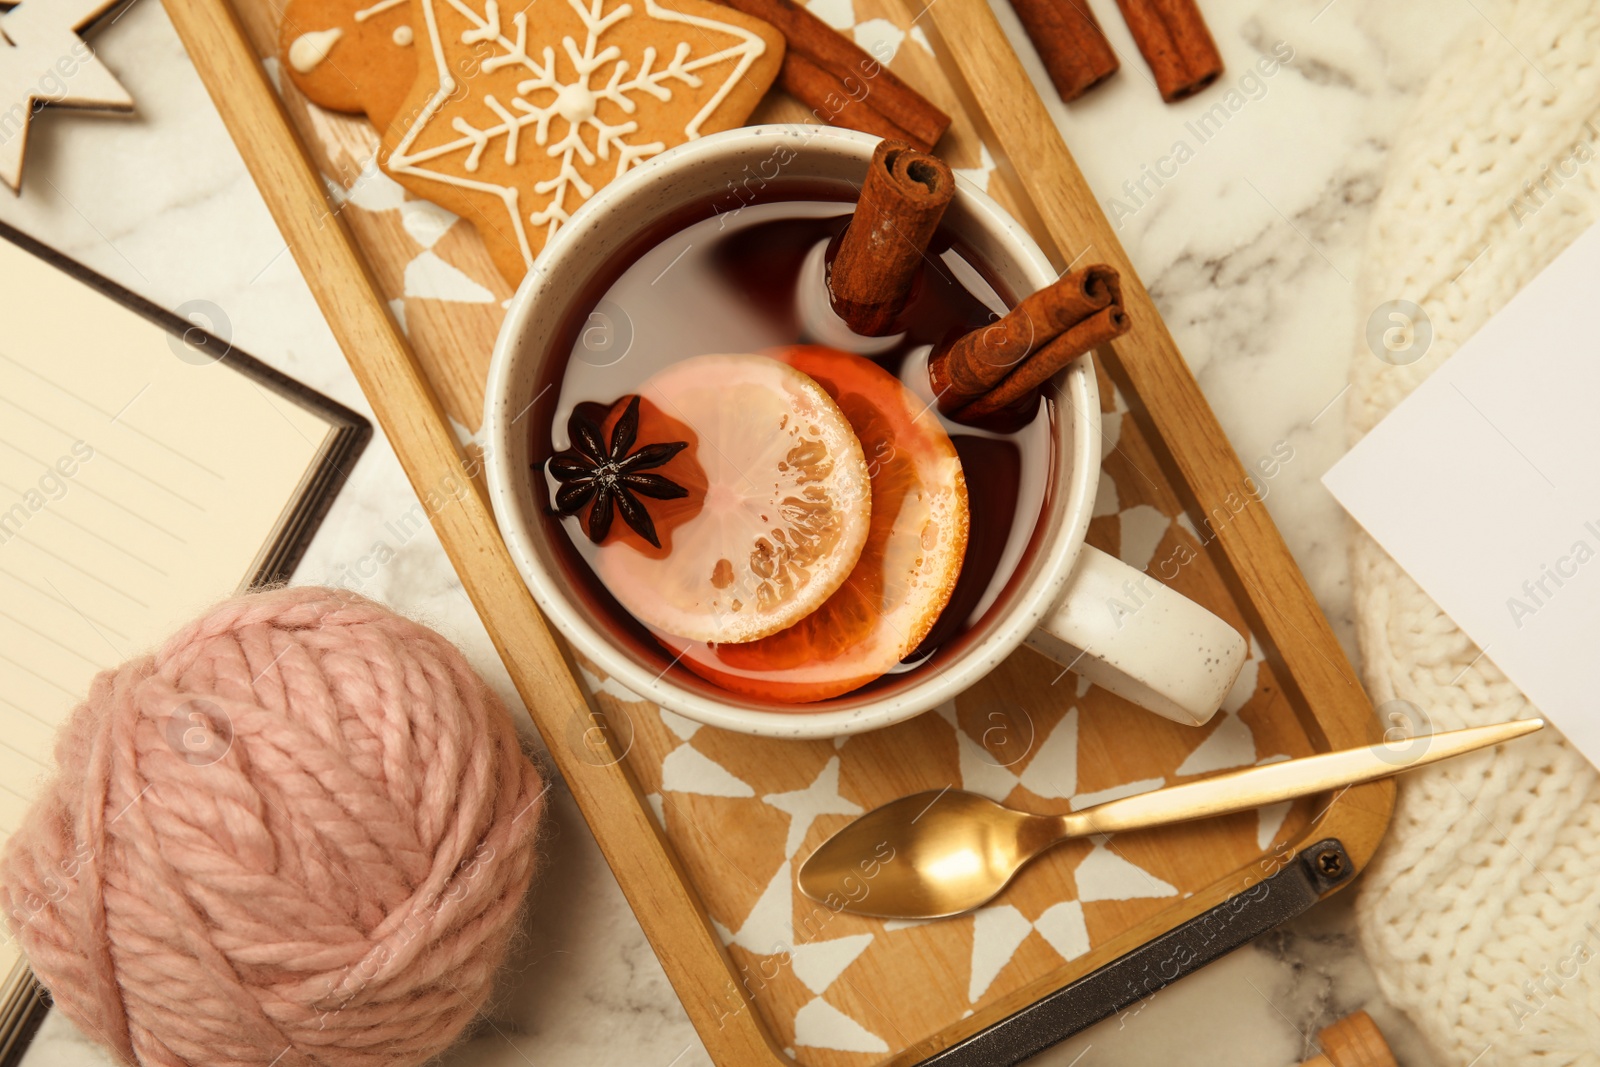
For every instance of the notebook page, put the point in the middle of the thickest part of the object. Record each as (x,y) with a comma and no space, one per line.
(138,483)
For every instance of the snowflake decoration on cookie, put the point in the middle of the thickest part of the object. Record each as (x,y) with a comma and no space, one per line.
(519,118)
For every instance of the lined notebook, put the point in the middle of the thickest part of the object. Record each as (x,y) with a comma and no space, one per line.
(141,478)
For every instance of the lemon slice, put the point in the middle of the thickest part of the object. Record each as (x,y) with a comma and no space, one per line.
(778,509)
(907,571)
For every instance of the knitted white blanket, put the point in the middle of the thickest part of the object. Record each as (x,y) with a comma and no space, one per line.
(1481,914)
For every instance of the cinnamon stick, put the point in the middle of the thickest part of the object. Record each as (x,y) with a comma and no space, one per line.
(1172,37)
(842,83)
(833,102)
(878,259)
(1022,385)
(1069,41)
(979,361)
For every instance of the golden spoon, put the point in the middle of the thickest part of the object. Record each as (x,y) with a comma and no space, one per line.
(934,854)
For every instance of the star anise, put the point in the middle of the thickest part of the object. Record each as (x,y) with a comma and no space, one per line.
(592,471)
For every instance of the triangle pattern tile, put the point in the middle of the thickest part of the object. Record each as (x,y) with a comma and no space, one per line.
(1230,744)
(819,1024)
(880,38)
(1269,820)
(1063,926)
(1143,527)
(688,770)
(684,728)
(426,221)
(1053,770)
(819,963)
(1105,875)
(996,934)
(430,278)
(803,806)
(768,929)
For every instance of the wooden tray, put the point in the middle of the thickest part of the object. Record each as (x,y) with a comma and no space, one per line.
(703,828)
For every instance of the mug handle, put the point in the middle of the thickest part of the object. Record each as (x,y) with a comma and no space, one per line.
(1126,632)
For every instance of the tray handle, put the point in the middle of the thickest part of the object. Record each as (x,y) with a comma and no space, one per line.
(1142,640)
(1316,871)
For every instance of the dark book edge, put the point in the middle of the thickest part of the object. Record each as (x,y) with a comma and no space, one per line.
(350,431)
(24,1023)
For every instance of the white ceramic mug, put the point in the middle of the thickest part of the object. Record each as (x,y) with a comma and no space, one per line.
(1070,600)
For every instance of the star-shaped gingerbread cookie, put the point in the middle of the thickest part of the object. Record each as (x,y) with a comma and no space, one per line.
(351,55)
(519,114)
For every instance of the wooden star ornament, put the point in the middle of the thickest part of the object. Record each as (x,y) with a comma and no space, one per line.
(44,61)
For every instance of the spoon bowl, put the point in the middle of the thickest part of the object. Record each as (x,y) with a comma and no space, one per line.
(931,855)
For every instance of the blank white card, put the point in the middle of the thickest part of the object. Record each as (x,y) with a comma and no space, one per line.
(1484,485)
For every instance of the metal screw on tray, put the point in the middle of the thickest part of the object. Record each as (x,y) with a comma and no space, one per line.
(1330,863)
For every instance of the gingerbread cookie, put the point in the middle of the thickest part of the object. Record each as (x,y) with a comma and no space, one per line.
(518,114)
(351,55)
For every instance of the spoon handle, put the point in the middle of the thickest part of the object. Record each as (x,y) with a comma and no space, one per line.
(1255,786)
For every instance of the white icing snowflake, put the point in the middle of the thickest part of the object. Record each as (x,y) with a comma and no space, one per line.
(555,119)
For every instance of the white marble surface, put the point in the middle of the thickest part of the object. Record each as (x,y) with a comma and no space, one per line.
(1250,247)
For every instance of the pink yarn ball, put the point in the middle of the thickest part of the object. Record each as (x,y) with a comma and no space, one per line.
(300,833)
